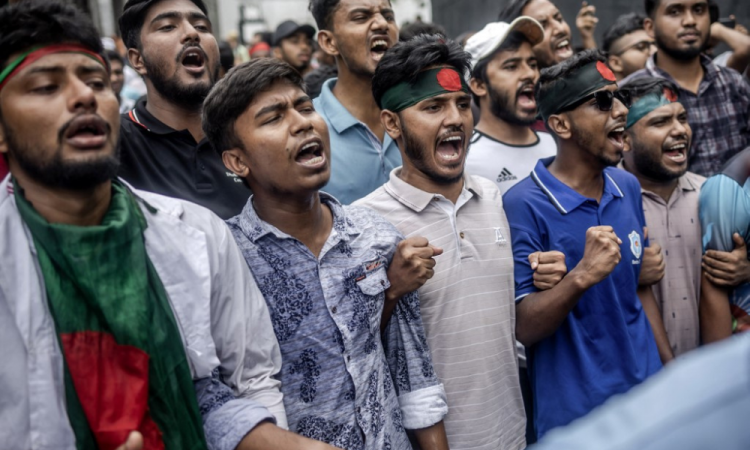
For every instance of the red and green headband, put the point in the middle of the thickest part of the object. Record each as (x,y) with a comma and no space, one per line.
(430,83)
(576,85)
(35,53)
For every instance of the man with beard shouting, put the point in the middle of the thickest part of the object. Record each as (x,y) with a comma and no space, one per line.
(717,99)
(162,143)
(590,336)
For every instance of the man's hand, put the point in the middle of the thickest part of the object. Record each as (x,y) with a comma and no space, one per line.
(600,256)
(652,263)
(586,21)
(549,268)
(134,442)
(728,269)
(411,267)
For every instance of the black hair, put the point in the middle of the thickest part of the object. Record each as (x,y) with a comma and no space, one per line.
(114,56)
(315,79)
(133,15)
(551,75)
(322,11)
(32,23)
(624,25)
(511,42)
(234,93)
(226,56)
(406,60)
(411,30)
(640,87)
(512,11)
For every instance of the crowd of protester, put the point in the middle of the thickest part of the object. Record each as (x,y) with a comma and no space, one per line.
(359,236)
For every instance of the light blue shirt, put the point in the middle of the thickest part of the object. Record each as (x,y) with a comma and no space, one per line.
(360,163)
(701,401)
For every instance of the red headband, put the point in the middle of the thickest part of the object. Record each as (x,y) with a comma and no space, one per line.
(39,52)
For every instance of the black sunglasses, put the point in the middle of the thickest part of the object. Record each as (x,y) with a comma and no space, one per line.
(604,100)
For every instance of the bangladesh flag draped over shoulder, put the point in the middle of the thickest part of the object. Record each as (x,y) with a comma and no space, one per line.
(125,364)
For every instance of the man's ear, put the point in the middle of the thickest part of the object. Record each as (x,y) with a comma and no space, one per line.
(136,61)
(277,53)
(626,142)
(327,42)
(560,125)
(648,26)
(235,160)
(615,63)
(392,123)
(478,87)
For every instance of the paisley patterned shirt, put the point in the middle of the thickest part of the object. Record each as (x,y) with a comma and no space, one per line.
(343,382)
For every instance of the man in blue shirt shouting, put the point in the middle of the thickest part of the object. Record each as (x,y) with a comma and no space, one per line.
(596,333)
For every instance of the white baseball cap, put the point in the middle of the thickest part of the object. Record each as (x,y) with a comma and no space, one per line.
(484,42)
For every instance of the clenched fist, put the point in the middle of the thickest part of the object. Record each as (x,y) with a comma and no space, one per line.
(134,442)
(652,263)
(549,268)
(601,255)
(411,267)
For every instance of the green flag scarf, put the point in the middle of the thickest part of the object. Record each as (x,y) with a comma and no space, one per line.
(125,365)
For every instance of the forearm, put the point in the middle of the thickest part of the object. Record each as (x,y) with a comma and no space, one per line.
(588,42)
(715,316)
(268,436)
(648,301)
(540,314)
(432,438)
(739,44)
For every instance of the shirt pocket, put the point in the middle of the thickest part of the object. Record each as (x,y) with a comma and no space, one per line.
(374,281)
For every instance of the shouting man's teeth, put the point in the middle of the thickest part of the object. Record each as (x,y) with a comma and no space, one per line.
(677,153)
(563,43)
(378,48)
(449,148)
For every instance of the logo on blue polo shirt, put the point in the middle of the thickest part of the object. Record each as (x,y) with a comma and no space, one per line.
(635,244)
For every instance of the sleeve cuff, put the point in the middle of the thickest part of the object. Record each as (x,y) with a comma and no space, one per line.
(424,407)
(521,297)
(226,426)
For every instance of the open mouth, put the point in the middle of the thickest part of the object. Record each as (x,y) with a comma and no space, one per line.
(311,154)
(677,153)
(525,97)
(193,59)
(563,48)
(449,148)
(87,132)
(616,137)
(378,47)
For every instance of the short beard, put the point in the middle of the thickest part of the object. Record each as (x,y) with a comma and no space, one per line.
(585,142)
(415,151)
(57,173)
(502,108)
(648,166)
(680,55)
(189,97)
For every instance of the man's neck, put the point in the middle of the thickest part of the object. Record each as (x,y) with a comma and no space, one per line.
(174,116)
(503,131)
(662,188)
(411,175)
(578,170)
(355,94)
(305,218)
(687,73)
(79,208)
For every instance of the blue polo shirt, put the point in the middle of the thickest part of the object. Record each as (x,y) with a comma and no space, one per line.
(360,163)
(605,346)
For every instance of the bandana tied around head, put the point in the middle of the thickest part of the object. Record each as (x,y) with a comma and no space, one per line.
(36,53)
(578,84)
(648,103)
(430,83)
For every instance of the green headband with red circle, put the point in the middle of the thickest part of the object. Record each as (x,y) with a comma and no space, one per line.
(574,86)
(35,53)
(430,83)
(648,103)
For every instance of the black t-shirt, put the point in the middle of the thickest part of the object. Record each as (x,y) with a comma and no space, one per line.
(158,159)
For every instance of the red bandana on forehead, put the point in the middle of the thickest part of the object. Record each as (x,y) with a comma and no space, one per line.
(605,71)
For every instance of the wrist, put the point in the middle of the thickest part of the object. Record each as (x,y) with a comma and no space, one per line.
(580,278)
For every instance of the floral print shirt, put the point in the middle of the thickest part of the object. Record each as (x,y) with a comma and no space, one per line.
(343,381)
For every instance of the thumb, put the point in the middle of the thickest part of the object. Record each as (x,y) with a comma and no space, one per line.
(134,442)
(645,233)
(436,250)
(738,241)
(534,260)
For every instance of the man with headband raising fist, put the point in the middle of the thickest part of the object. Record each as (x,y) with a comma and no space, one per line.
(590,336)
(467,307)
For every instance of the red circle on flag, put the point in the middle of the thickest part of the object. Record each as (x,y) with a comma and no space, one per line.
(449,80)
(605,71)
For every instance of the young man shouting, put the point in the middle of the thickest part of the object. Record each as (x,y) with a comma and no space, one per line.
(325,271)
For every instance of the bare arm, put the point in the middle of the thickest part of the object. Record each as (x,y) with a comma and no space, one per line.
(432,438)
(646,295)
(714,313)
(586,21)
(652,263)
(268,436)
(541,313)
(738,42)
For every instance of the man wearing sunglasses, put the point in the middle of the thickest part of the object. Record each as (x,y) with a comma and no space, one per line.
(590,336)
(627,45)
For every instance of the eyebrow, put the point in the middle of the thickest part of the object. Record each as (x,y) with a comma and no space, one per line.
(281,106)
(514,59)
(178,15)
